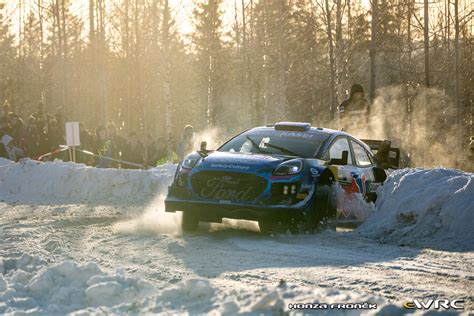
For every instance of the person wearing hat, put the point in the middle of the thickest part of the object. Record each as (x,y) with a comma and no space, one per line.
(13,153)
(353,111)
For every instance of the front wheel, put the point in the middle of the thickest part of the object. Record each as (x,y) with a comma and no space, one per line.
(189,222)
(325,209)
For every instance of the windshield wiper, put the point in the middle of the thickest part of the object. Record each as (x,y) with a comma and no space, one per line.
(254,144)
(282,149)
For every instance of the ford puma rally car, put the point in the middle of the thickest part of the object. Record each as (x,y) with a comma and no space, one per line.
(281,175)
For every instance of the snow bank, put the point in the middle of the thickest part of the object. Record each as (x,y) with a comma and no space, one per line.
(31,181)
(29,285)
(433,208)
(4,163)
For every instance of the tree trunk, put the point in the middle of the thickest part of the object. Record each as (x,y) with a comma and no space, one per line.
(332,81)
(65,104)
(91,23)
(126,45)
(426,42)
(41,65)
(457,103)
(340,75)
(373,49)
(167,79)
(102,51)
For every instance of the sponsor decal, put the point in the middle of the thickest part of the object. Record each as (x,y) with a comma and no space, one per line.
(218,188)
(291,134)
(223,166)
(301,196)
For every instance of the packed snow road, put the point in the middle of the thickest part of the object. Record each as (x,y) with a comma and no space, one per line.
(233,257)
(141,262)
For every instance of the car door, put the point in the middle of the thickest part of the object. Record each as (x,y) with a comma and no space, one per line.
(344,172)
(363,175)
(346,177)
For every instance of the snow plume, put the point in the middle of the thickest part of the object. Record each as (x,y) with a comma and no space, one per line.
(421,121)
(228,223)
(212,135)
(352,206)
(154,220)
(432,207)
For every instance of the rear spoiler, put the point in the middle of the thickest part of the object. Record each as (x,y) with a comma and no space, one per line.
(386,155)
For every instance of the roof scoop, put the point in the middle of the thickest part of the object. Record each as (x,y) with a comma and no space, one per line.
(292,126)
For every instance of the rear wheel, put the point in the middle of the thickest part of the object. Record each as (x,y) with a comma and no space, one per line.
(189,222)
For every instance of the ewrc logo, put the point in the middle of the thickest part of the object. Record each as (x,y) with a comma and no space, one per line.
(436,304)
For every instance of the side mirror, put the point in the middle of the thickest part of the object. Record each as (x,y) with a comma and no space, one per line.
(379,174)
(342,161)
(203,152)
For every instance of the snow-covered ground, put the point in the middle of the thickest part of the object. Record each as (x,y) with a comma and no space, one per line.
(431,208)
(81,240)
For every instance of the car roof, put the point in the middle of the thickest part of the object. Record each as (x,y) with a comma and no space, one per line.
(330,134)
(312,130)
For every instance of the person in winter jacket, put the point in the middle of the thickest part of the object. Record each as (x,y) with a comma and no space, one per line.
(33,138)
(133,151)
(17,128)
(117,142)
(186,145)
(353,112)
(14,153)
(102,148)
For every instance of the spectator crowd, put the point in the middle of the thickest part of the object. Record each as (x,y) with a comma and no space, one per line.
(40,137)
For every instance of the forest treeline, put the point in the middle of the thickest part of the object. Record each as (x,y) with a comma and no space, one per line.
(294,60)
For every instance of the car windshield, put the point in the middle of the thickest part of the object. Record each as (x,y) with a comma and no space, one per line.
(275,142)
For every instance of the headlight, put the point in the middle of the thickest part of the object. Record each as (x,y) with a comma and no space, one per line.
(190,161)
(289,167)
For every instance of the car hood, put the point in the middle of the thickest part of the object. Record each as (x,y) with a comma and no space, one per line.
(242,162)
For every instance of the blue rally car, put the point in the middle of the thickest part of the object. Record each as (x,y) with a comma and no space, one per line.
(281,175)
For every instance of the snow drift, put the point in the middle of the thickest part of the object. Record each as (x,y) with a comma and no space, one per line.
(30,285)
(432,207)
(31,181)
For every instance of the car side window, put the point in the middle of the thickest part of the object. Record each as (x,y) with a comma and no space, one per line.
(338,147)
(361,156)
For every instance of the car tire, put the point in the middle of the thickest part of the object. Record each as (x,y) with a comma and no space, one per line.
(189,222)
(325,208)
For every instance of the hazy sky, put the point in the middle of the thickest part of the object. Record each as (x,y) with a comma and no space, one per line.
(182,10)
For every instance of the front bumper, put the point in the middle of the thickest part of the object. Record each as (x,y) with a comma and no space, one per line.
(214,211)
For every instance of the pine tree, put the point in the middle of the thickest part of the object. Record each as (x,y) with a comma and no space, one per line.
(8,54)
(208,43)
